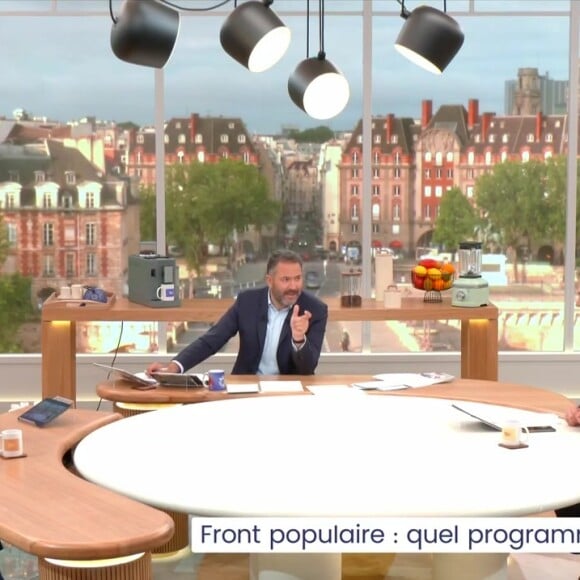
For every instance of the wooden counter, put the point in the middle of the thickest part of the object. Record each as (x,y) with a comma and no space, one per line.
(48,511)
(479,330)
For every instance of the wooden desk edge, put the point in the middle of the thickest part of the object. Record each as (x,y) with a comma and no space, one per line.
(36,534)
(476,390)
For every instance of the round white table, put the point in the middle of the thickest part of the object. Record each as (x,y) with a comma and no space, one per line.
(319,456)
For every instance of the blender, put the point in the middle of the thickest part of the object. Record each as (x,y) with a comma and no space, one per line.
(470,290)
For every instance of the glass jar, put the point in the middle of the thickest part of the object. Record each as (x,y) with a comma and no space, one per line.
(350,288)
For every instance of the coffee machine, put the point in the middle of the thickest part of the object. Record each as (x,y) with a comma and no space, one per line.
(470,289)
(153,280)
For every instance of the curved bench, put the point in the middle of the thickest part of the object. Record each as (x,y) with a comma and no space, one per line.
(48,511)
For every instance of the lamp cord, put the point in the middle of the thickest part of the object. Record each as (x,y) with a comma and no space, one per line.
(404,12)
(111,12)
(321,53)
(307,28)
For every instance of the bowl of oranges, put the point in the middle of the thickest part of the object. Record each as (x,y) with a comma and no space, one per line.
(432,276)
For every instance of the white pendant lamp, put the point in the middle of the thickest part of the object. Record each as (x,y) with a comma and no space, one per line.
(316,85)
(145,32)
(254,36)
(429,38)
(319,88)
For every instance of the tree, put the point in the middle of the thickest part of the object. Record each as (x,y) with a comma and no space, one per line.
(320,134)
(512,200)
(15,309)
(456,221)
(206,203)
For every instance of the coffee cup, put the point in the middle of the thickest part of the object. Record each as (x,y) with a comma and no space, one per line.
(216,380)
(77,291)
(514,434)
(166,292)
(65,293)
(11,443)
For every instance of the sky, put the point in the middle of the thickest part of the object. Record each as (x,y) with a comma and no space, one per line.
(62,67)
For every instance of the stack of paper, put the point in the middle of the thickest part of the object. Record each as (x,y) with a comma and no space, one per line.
(401,380)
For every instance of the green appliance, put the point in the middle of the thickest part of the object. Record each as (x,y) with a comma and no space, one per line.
(470,289)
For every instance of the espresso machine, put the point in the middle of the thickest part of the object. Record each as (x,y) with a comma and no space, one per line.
(470,289)
(153,280)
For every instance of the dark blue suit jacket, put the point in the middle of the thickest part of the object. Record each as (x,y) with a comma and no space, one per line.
(249,317)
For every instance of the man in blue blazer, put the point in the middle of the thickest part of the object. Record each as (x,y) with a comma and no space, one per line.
(281,327)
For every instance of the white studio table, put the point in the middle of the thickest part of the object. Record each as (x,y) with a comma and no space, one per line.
(325,456)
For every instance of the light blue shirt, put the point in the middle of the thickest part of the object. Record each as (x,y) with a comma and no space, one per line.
(268,363)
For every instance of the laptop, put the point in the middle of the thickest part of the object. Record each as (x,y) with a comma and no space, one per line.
(195,380)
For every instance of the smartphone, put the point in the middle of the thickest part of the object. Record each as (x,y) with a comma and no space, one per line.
(44,412)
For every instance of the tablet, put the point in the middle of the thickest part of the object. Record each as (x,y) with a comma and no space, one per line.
(44,412)
(178,379)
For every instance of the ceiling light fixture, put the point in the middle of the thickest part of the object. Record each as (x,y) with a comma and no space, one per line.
(145,32)
(316,85)
(429,38)
(254,35)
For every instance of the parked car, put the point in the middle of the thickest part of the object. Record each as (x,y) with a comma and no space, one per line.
(312,280)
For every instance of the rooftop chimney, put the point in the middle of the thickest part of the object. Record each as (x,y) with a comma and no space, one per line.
(426,112)
(472,113)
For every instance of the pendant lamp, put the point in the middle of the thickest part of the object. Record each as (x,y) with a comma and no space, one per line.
(429,38)
(145,32)
(319,88)
(254,36)
(316,85)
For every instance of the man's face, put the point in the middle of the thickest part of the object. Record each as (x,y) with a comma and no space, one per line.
(285,283)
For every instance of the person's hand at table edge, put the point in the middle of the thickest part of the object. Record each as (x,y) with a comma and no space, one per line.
(573,416)
(158,367)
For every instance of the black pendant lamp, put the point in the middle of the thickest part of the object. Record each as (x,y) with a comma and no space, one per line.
(429,38)
(317,86)
(254,35)
(145,32)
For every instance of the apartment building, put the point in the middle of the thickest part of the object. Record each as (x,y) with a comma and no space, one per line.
(187,139)
(67,220)
(414,162)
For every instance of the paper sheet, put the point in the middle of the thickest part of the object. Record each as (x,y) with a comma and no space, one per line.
(378,386)
(281,386)
(238,388)
(334,390)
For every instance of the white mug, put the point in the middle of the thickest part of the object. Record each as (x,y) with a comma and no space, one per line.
(514,434)
(166,292)
(77,291)
(12,445)
(65,293)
